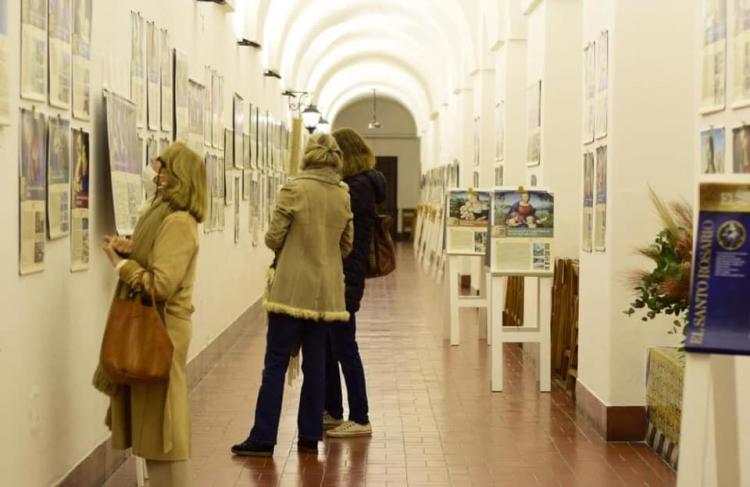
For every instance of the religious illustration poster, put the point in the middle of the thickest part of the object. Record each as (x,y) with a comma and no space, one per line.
(82,15)
(34,50)
(468,216)
(713,145)
(714,55)
(196,114)
(717,320)
(32,183)
(534,127)
(237,209)
(208,124)
(238,116)
(600,221)
(165,75)
(589,91)
(60,53)
(741,150)
(522,231)
(125,161)
(79,220)
(181,97)
(137,67)
(4,80)
(58,178)
(602,84)
(588,202)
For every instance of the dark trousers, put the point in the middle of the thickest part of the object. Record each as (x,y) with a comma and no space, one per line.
(342,349)
(283,333)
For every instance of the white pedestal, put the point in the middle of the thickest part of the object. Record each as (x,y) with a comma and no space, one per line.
(457,301)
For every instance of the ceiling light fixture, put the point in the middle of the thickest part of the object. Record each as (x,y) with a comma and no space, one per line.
(374,124)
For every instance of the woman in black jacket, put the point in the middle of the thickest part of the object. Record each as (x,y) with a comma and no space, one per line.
(367,189)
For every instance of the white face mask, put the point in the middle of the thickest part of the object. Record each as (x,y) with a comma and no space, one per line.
(148,177)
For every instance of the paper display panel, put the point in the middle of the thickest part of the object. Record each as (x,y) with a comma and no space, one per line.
(60,53)
(196,114)
(137,67)
(741,40)
(500,131)
(600,226)
(714,55)
(717,321)
(167,83)
(236,184)
(153,92)
(208,110)
(602,85)
(713,145)
(588,202)
(4,80)
(522,231)
(34,50)
(125,162)
(181,98)
(468,213)
(589,92)
(32,183)
(245,151)
(238,116)
(228,158)
(255,208)
(79,241)
(534,127)
(82,15)
(741,150)
(217,131)
(58,178)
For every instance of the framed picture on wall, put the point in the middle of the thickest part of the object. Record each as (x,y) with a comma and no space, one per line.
(713,148)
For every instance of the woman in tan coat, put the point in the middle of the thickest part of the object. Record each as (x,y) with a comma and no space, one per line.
(311,232)
(154,419)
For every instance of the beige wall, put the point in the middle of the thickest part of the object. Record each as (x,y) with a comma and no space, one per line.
(397,137)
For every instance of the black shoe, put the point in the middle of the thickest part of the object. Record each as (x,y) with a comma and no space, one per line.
(307,446)
(248,448)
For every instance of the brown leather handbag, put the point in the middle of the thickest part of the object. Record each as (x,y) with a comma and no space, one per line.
(136,348)
(382,259)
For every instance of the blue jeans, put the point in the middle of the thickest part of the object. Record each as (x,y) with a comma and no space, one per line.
(283,333)
(342,348)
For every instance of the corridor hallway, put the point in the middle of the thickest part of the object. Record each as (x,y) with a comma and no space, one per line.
(435,422)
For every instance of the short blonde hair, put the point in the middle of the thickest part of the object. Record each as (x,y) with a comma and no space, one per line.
(322,151)
(358,155)
(187,185)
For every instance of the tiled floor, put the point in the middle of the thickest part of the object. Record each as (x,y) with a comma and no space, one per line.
(435,421)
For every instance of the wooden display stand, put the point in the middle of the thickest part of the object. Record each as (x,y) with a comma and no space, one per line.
(457,301)
(141,472)
(536,330)
(710,397)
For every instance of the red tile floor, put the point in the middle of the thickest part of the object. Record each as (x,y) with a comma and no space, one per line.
(435,422)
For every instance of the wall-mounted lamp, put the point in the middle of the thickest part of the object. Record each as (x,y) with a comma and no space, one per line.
(323,126)
(296,99)
(220,2)
(270,73)
(310,118)
(249,43)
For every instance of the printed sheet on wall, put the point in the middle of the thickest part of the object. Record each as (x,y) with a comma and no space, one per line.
(79,245)
(58,178)
(60,53)
(82,12)
(32,184)
(34,50)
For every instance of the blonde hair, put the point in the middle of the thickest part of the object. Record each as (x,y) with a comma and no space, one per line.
(358,155)
(322,151)
(186,187)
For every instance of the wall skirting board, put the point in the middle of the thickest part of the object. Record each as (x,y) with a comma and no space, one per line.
(101,463)
(614,423)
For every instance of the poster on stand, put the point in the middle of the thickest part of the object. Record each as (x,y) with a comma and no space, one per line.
(125,161)
(719,308)
(196,114)
(238,117)
(534,126)
(4,80)
(588,202)
(32,183)
(522,231)
(589,91)
(79,220)
(137,67)
(34,50)
(58,178)
(468,213)
(181,98)
(714,55)
(153,98)
(713,145)
(602,84)
(741,150)
(600,221)
(82,15)
(165,75)
(60,53)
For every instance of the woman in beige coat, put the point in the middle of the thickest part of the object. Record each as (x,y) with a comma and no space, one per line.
(311,232)
(154,419)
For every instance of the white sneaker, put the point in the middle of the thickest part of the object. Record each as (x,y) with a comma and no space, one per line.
(330,422)
(349,429)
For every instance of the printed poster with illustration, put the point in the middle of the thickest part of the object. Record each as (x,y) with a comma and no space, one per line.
(468,217)
(523,227)
(719,316)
